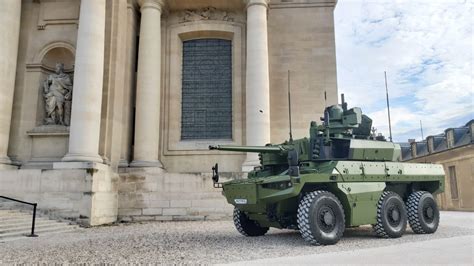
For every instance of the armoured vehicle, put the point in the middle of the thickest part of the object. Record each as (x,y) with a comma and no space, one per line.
(339,177)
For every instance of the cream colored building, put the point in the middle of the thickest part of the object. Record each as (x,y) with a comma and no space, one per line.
(454,149)
(154,82)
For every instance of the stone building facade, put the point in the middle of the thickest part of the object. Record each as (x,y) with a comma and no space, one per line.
(107,107)
(454,149)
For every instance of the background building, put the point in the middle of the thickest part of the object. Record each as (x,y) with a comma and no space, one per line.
(454,149)
(120,127)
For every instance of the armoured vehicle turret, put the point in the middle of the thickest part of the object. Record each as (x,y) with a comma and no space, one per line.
(338,177)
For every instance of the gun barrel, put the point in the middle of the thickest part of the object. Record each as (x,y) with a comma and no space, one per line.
(264,149)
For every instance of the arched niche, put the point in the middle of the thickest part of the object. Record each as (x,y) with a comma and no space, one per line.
(56,51)
(58,55)
(49,142)
(44,64)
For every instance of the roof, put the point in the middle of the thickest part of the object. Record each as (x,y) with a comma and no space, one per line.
(451,138)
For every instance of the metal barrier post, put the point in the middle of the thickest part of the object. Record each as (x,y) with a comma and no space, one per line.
(33,223)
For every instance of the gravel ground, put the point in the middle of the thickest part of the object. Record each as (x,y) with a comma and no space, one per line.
(205,242)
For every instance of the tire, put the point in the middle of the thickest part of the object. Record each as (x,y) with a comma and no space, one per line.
(321,218)
(247,227)
(423,212)
(391,216)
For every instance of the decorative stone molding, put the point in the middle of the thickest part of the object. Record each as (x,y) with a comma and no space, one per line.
(49,13)
(257,2)
(49,130)
(208,13)
(42,53)
(157,4)
(302,4)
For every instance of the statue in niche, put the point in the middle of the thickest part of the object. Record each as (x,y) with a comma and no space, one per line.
(57,92)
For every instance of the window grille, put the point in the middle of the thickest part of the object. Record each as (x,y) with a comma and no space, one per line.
(206,89)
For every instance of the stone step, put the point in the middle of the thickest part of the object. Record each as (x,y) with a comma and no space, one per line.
(5,205)
(39,231)
(25,223)
(43,234)
(17,215)
(10,213)
(7,211)
(17,219)
(27,228)
(17,224)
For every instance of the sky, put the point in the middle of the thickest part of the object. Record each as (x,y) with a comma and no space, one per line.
(425,46)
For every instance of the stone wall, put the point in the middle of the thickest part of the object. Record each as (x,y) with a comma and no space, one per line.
(300,39)
(151,194)
(462,159)
(85,192)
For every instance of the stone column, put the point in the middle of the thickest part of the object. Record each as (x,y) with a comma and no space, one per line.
(147,110)
(10,13)
(257,80)
(88,83)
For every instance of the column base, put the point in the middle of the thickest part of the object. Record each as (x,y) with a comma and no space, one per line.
(5,160)
(77,157)
(140,163)
(123,163)
(7,164)
(80,165)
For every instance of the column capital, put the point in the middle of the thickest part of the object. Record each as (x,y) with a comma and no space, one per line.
(156,4)
(250,3)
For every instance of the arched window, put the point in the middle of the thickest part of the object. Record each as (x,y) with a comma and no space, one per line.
(206,89)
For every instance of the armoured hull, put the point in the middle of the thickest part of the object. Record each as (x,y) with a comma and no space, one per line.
(273,200)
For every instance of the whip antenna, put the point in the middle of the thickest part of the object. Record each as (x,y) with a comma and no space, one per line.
(388,107)
(325,100)
(289,106)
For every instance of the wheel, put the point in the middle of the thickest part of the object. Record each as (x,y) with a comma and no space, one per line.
(320,218)
(247,227)
(423,212)
(391,216)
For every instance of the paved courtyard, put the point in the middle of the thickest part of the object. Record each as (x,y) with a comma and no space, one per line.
(217,242)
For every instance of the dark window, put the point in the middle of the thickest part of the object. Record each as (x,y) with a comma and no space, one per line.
(207,89)
(453,182)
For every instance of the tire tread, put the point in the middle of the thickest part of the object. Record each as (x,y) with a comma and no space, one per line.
(246,226)
(413,205)
(303,215)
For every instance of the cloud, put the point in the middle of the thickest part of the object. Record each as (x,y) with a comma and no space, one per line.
(426,47)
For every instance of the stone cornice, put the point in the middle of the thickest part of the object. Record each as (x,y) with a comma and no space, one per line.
(303,4)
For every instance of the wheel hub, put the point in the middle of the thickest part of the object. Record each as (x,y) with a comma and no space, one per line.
(328,218)
(429,213)
(395,215)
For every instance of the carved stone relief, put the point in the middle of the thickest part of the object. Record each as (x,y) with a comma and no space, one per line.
(57,93)
(208,13)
